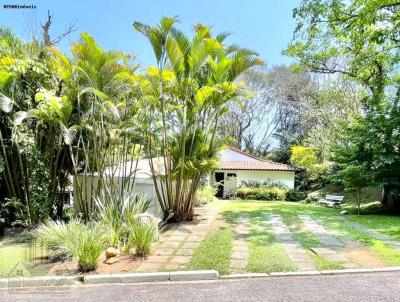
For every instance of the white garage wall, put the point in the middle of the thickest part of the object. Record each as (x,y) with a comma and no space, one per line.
(142,186)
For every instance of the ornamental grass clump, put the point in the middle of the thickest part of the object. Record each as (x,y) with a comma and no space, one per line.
(142,234)
(83,242)
(121,215)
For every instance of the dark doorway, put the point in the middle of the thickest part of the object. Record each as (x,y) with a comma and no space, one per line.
(219,180)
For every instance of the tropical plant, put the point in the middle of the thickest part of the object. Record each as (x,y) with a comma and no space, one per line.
(189,90)
(205,194)
(118,213)
(83,242)
(141,235)
(63,116)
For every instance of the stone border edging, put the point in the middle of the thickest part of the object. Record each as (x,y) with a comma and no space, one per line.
(315,273)
(151,277)
(42,281)
(48,281)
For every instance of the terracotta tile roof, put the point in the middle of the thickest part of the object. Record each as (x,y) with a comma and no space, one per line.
(259,164)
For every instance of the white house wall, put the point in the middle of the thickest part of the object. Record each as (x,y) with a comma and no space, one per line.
(284,177)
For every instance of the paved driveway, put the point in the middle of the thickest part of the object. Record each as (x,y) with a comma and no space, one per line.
(357,287)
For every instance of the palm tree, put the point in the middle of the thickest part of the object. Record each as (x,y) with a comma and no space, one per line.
(80,117)
(190,88)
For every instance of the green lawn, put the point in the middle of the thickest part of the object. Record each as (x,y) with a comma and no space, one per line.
(214,252)
(389,225)
(265,254)
(268,256)
(21,258)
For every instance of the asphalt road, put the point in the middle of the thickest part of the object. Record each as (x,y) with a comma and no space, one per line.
(360,287)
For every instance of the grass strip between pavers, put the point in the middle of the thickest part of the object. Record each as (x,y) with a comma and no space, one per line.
(214,252)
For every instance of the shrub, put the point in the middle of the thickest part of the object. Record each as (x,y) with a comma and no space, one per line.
(261,183)
(141,235)
(262,193)
(117,213)
(122,215)
(205,195)
(54,234)
(294,195)
(87,246)
(84,242)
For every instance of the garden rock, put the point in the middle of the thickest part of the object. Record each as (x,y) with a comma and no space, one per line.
(111,252)
(344,212)
(111,260)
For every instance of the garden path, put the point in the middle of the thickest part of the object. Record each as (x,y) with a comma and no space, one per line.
(240,251)
(179,242)
(326,238)
(296,253)
(374,234)
(320,232)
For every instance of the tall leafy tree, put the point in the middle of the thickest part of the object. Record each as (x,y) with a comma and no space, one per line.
(361,40)
(189,89)
(63,116)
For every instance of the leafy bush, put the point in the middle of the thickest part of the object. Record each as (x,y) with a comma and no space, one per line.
(141,234)
(84,242)
(294,195)
(261,183)
(88,245)
(115,212)
(262,193)
(122,215)
(205,195)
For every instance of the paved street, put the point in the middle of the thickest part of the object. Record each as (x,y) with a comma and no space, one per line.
(359,287)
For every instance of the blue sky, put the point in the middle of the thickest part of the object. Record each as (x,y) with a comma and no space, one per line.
(265,26)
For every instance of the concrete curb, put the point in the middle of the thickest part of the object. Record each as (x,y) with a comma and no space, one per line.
(125,278)
(48,281)
(151,277)
(193,275)
(245,275)
(346,271)
(314,273)
(386,269)
(43,281)
(304,273)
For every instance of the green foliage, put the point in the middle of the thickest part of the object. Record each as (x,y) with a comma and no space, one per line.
(141,235)
(295,195)
(359,40)
(262,193)
(189,90)
(84,242)
(259,191)
(315,171)
(205,194)
(356,180)
(305,157)
(362,34)
(128,229)
(369,143)
(262,183)
(87,245)
(62,115)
